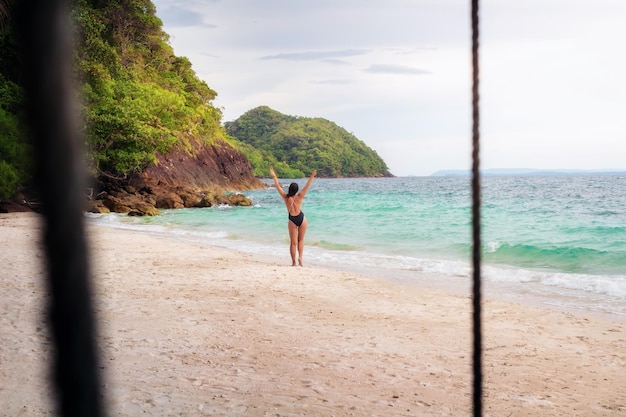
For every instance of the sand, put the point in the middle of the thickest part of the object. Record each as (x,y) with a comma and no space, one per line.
(186,329)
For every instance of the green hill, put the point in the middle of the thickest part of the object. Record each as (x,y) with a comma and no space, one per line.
(295,146)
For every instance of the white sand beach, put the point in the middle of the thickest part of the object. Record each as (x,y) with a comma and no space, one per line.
(186,329)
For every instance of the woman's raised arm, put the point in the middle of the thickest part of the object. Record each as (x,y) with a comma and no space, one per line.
(277,184)
(308,183)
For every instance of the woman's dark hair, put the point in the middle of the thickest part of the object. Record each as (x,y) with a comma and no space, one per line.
(293,189)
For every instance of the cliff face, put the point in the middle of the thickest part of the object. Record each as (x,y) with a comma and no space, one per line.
(179,180)
(217,166)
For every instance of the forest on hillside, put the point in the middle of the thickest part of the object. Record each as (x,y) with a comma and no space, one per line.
(295,146)
(138,99)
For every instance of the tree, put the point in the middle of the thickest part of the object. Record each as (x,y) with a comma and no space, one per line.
(140,99)
(15,151)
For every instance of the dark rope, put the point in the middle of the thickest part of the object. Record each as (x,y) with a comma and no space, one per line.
(477,355)
(44,26)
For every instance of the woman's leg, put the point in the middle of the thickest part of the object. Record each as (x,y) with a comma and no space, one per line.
(301,232)
(293,241)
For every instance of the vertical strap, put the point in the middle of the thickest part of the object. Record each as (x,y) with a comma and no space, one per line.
(476,249)
(45,31)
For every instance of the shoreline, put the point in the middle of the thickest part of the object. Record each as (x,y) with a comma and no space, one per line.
(580,293)
(186,328)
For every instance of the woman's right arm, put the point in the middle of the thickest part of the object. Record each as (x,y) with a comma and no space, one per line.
(308,183)
(277,184)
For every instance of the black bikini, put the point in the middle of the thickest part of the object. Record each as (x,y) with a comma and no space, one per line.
(298,219)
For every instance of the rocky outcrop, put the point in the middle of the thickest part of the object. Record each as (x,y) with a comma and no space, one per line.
(8,206)
(27,200)
(205,178)
(209,176)
(209,167)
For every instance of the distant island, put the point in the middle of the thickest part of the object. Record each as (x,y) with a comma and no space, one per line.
(527,172)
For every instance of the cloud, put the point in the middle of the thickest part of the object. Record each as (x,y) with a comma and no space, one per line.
(350,62)
(317,55)
(209,55)
(395,69)
(333,82)
(411,51)
(175,16)
(335,61)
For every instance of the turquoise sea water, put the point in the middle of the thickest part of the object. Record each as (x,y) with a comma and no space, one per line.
(561,240)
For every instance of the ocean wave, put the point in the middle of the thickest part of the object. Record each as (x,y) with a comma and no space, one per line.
(606,213)
(613,285)
(335,246)
(402,267)
(602,231)
(163,228)
(560,258)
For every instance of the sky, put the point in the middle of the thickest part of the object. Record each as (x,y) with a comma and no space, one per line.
(397,74)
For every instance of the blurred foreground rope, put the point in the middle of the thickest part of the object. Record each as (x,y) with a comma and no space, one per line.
(476,296)
(45,31)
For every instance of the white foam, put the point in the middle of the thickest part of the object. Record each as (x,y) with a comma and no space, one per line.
(614,285)
(492,247)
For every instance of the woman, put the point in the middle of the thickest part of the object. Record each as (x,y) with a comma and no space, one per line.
(297,223)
